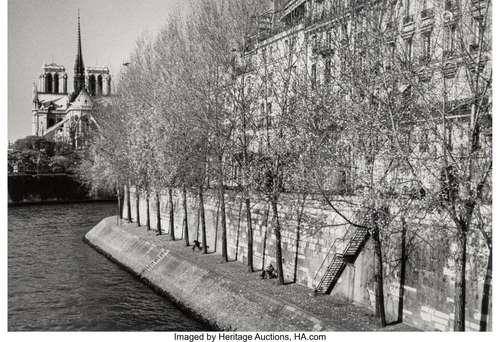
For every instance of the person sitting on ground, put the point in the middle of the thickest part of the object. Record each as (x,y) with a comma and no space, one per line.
(196,244)
(269,273)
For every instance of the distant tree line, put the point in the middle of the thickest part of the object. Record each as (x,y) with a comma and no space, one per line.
(36,155)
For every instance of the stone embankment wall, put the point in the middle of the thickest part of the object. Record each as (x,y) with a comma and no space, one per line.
(48,188)
(216,299)
(310,245)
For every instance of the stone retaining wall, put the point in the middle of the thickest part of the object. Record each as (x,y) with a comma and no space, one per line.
(429,290)
(215,299)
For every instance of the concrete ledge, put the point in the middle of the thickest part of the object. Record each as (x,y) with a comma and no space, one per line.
(215,299)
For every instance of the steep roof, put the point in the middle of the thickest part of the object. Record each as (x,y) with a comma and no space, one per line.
(59,101)
(82,101)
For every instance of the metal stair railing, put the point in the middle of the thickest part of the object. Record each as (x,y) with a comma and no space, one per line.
(331,275)
(350,251)
(328,254)
(356,240)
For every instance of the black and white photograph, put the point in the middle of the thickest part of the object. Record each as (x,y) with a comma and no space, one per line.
(248,170)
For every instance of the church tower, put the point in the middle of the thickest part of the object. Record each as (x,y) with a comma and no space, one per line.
(79,80)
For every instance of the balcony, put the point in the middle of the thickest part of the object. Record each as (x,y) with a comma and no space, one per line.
(408,24)
(323,48)
(391,32)
(450,70)
(242,67)
(474,48)
(424,60)
(407,20)
(447,54)
(479,8)
(451,6)
(427,13)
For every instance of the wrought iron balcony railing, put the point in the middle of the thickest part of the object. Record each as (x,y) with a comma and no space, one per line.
(408,19)
(427,13)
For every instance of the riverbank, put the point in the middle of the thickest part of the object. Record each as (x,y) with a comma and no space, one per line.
(224,295)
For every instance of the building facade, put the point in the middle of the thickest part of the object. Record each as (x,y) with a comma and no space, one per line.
(440,48)
(66,116)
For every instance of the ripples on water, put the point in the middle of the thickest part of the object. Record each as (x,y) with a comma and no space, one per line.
(57,282)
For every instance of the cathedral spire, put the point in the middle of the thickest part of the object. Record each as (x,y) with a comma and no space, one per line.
(79,80)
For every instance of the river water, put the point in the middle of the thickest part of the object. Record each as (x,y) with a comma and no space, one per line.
(58,282)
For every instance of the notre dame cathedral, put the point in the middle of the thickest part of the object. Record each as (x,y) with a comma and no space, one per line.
(62,116)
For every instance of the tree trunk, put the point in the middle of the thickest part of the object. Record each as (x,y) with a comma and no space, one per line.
(119,216)
(249,235)
(185,222)
(238,231)
(379,275)
(277,234)
(137,206)
(297,243)
(216,226)
(203,226)
(264,243)
(158,213)
(120,202)
(129,209)
(148,216)
(402,275)
(198,224)
(485,302)
(171,215)
(222,214)
(460,294)
(300,213)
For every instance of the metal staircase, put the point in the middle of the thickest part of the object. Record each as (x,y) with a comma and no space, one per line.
(340,261)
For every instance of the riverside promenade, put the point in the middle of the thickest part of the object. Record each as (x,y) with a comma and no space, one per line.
(224,295)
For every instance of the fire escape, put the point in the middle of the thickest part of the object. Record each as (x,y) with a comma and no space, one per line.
(340,261)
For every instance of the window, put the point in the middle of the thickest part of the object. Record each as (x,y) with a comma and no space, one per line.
(313,76)
(426,46)
(328,66)
(424,141)
(292,44)
(450,39)
(408,49)
(268,117)
(478,31)
(407,8)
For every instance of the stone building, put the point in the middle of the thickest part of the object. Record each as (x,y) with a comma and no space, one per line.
(436,47)
(430,46)
(68,116)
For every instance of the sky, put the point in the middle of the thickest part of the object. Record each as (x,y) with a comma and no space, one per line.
(44,31)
